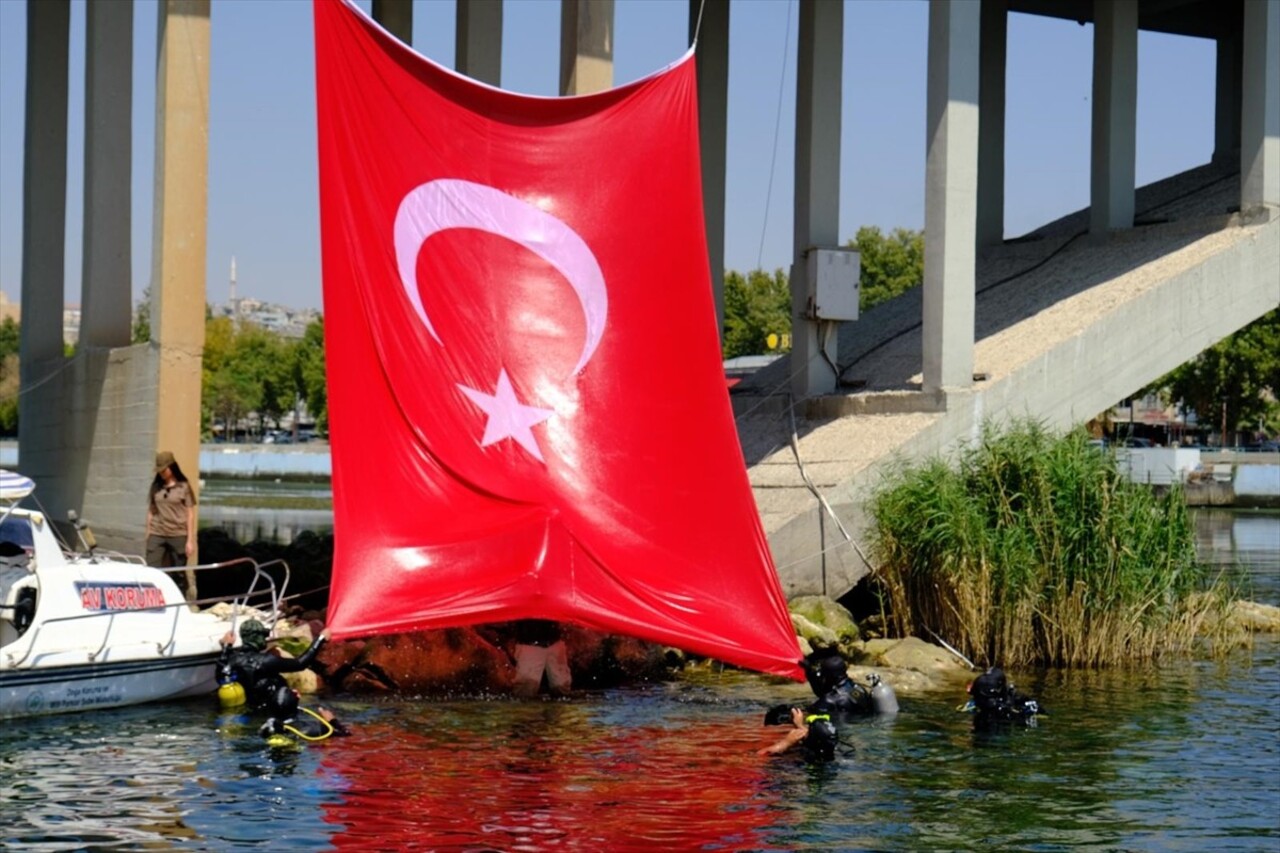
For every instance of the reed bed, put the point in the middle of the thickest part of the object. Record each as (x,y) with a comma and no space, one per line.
(1030,549)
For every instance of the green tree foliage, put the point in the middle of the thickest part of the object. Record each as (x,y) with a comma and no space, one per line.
(142,319)
(9,381)
(891,264)
(755,306)
(308,372)
(1241,371)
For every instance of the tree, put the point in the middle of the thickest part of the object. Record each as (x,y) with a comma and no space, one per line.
(755,306)
(891,264)
(10,335)
(308,372)
(1240,374)
(142,319)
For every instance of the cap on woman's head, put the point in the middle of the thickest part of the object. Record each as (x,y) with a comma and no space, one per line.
(163,460)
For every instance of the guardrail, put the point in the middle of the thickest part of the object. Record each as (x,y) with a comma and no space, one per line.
(239,602)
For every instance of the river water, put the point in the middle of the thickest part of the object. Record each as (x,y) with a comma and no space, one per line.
(1183,758)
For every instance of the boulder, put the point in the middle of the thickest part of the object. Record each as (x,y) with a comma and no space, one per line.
(1253,616)
(305,682)
(827,612)
(817,636)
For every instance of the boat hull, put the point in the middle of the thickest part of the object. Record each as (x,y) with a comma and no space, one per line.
(61,689)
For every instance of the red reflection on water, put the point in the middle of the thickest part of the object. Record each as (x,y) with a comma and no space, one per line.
(565,783)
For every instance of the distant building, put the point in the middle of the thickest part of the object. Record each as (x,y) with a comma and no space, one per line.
(71,324)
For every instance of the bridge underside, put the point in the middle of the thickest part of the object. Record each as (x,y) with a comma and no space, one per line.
(1067,324)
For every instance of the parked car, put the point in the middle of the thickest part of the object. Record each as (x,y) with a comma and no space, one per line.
(1134,441)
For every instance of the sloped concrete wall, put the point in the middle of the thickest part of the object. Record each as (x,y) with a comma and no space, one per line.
(1187,308)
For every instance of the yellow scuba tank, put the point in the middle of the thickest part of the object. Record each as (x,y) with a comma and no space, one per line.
(231,694)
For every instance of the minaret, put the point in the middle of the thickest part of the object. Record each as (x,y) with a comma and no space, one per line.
(235,304)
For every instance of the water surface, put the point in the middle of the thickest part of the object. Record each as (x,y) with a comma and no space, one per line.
(1185,757)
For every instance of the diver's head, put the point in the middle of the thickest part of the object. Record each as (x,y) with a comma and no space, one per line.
(832,672)
(779,715)
(254,634)
(820,743)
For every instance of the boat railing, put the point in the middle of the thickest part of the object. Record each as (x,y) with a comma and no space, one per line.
(238,603)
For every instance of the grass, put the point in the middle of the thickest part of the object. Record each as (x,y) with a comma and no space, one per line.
(1031,549)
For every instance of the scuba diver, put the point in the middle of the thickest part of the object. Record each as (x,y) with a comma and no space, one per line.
(841,697)
(258,674)
(993,700)
(815,734)
(309,726)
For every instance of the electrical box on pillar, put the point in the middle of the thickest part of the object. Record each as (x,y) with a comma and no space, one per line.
(833,283)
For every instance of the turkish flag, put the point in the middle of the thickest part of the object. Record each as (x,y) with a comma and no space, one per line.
(527,405)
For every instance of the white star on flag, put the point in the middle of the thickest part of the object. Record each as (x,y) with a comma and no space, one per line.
(508,417)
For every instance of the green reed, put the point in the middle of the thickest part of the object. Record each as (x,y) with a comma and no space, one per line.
(1031,549)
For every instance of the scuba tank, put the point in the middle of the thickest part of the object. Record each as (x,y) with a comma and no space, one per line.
(883,699)
(230,691)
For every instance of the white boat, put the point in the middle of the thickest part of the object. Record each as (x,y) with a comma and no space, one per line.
(83,629)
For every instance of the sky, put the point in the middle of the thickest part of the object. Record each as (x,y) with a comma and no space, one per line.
(263,196)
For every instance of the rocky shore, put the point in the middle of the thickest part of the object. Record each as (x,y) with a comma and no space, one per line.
(479,660)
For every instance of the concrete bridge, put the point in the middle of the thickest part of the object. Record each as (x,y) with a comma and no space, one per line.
(1066,324)
(1058,324)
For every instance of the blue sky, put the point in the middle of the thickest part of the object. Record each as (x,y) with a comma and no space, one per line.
(262,150)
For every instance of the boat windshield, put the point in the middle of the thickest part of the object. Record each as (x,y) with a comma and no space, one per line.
(16,539)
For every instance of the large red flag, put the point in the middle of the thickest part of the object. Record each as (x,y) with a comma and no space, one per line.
(526,399)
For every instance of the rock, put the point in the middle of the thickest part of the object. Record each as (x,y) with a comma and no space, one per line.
(305,682)
(1253,616)
(827,612)
(295,630)
(914,653)
(448,660)
(817,636)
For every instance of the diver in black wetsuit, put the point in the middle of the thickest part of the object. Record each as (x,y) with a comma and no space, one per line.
(308,726)
(994,701)
(260,673)
(814,734)
(841,697)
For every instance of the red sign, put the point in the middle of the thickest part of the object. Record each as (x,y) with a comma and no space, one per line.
(97,595)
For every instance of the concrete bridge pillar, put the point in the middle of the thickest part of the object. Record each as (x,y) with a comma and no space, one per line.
(820,66)
(44,212)
(1115,109)
(1227,95)
(994,40)
(478,45)
(713,112)
(106,280)
(396,17)
(950,201)
(44,187)
(1260,107)
(586,46)
(180,218)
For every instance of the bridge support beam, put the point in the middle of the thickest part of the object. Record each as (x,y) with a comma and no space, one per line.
(180,213)
(950,201)
(1115,108)
(586,46)
(106,279)
(44,213)
(396,17)
(820,64)
(713,123)
(1227,96)
(991,76)
(478,44)
(1260,108)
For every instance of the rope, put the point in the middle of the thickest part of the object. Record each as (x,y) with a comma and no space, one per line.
(777,123)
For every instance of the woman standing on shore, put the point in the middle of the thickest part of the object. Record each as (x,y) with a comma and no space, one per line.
(171,519)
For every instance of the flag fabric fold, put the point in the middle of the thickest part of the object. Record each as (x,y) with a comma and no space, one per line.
(527,405)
